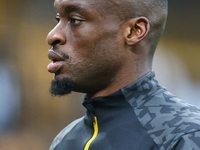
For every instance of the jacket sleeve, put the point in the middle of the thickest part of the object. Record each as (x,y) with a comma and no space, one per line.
(189,141)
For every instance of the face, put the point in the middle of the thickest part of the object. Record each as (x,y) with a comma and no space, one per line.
(85,45)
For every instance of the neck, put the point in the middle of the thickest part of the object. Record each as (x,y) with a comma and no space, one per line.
(124,77)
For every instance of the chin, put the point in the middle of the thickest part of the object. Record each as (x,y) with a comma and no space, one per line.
(61,87)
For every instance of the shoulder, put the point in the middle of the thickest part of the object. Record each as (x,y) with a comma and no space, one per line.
(187,141)
(168,119)
(64,132)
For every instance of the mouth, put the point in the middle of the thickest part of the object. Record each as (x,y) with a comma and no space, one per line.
(57,61)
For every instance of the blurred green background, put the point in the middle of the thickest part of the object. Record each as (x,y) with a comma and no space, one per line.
(36,117)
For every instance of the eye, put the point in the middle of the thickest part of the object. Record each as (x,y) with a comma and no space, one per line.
(75,21)
(57,18)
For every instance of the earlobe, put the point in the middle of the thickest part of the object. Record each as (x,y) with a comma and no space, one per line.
(137,30)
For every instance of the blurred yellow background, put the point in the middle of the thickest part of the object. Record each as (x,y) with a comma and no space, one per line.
(24,25)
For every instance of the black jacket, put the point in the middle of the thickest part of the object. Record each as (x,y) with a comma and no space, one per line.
(141,116)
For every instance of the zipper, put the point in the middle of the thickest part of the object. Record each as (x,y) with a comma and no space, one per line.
(95,125)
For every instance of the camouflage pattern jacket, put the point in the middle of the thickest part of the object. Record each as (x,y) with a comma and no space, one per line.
(141,116)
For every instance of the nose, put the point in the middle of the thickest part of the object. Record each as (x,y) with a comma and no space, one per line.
(56,36)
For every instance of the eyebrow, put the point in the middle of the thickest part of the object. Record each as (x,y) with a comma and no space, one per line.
(71,8)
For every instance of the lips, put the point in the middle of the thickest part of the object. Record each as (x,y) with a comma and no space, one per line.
(58,61)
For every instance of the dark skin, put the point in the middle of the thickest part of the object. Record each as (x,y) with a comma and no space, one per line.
(99,50)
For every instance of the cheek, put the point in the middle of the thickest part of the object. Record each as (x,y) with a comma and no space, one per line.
(85,37)
(92,47)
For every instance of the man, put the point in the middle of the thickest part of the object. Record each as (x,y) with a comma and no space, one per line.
(105,48)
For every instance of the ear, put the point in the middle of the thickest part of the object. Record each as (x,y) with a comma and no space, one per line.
(137,30)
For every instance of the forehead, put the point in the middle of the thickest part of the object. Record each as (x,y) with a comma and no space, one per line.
(79,3)
(95,5)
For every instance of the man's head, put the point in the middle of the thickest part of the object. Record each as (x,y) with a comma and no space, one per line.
(100,46)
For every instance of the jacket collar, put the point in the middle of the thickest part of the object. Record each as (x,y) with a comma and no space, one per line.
(135,94)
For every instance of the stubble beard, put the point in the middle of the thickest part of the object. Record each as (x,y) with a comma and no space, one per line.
(61,87)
